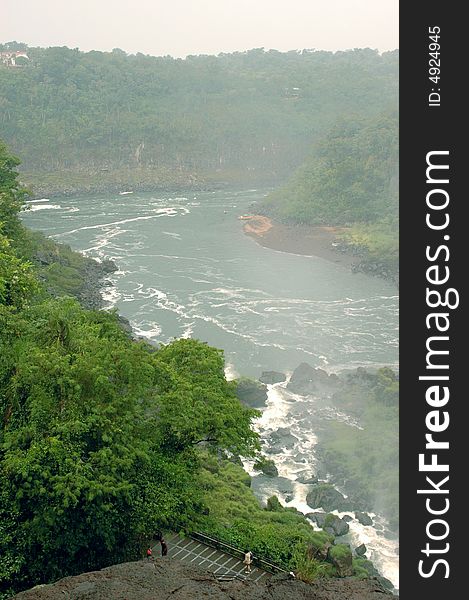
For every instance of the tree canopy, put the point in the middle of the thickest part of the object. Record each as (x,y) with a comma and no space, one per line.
(250,111)
(100,434)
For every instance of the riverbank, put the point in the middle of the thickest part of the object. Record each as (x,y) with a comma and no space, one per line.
(297,239)
(140,179)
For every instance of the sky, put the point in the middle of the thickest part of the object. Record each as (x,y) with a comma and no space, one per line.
(182,27)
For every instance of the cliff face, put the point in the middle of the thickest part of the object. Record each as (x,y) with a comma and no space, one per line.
(169,578)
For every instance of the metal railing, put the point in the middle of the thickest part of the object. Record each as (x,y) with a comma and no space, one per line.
(214,542)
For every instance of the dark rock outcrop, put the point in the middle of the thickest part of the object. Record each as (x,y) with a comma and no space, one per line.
(170,578)
(252,393)
(308,380)
(318,517)
(364,518)
(266,466)
(360,550)
(331,523)
(271,377)
(324,495)
(281,439)
(307,480)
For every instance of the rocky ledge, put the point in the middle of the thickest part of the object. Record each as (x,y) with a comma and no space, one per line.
(169,578)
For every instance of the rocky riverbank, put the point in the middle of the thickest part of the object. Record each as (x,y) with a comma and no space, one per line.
(170,578)
(142,179)
(65,272)
(325,242)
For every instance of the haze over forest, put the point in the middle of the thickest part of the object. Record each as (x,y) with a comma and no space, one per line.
(108,436)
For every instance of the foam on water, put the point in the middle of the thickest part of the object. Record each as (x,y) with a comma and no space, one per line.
(230,372)
(110,296)
(382,550)
(149,330)
(36,207)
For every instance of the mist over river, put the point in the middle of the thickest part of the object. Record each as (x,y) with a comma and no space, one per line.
(186,269)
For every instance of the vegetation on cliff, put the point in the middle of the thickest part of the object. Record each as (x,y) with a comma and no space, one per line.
(108,115)
(105,440)
(274,533)
(99,435)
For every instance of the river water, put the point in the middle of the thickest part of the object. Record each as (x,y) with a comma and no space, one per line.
(187,270)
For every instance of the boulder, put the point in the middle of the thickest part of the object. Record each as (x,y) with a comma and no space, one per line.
(331,523)
(252,393)
(270,377)
(318,517)
(308,380)
(364,518)
(340,556)
(266,466)
(360,550)
(325,496)
(109,266)
(299,458)
(307,480)
(338,525)
(347,518)
(281,439)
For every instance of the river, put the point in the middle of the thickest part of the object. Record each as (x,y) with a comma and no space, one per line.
(187,270)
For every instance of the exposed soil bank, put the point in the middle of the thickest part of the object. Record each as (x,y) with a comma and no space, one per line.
(298,239)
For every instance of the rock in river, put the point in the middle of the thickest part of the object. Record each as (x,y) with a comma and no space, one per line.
(282,438)
(271,377)
(308,380)
(364,518)
(251,392)
(325,496)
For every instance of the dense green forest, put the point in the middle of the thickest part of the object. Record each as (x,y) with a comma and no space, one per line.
(350,180)
(105,440)
(237,116)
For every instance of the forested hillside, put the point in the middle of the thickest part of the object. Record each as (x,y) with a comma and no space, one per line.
(241,115)
(105,440)
(351,180)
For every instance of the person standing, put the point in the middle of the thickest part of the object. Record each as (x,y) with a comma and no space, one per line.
(164,546)
(149,553)
(247,561)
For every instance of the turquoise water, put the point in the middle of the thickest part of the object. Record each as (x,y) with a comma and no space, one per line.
(187,269)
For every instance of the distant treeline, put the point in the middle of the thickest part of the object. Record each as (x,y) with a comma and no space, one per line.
(247,111)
